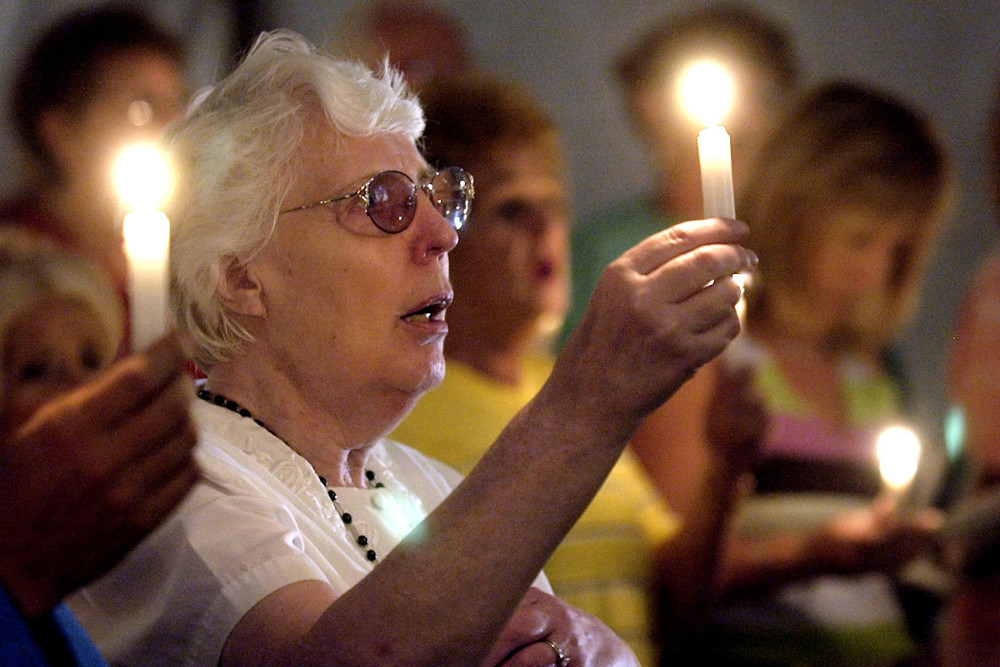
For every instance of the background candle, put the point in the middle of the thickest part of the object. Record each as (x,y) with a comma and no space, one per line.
(898,452)
(143,179)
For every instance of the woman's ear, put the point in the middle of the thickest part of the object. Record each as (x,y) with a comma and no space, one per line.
(240,289)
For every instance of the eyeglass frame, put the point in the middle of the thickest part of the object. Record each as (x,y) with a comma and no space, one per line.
(426,185)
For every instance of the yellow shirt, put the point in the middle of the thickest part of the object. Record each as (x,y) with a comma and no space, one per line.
(604,565)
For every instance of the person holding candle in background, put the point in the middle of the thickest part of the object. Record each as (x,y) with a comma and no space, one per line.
(757,55)
(100,79)
(93,456)
(845,200)
(967,628)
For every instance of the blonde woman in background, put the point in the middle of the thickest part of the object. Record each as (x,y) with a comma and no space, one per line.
(844,201)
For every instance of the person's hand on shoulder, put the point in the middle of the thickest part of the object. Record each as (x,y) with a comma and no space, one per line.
(92,473)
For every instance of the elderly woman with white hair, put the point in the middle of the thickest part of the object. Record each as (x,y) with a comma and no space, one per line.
(311,266)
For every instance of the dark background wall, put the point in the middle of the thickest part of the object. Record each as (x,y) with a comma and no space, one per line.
(940,55)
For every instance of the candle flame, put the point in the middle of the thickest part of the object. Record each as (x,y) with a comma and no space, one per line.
(706,90)
(898,450)
(143,177)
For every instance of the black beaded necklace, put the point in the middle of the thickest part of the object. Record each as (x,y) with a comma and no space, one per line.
(361,540)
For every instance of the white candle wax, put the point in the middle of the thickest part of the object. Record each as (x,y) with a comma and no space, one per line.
(147,245)
(715,154)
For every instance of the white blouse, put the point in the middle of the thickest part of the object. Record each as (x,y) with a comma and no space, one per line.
(259,520)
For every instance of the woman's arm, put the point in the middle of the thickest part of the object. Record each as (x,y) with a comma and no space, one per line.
(445,594)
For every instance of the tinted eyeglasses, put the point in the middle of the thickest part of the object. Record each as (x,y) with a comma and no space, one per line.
(390,198)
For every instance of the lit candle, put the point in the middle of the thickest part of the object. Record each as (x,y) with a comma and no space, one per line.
(707,92)
(898,452)
(716,159)
(143,180)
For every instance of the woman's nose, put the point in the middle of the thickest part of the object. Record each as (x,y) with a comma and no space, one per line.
(433,234)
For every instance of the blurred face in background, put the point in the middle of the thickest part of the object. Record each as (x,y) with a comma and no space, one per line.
(513,259)
(422,41)
(54,346)
(855,259)
(136,94)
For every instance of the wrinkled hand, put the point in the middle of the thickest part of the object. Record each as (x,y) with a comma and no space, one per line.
(91,473)
(874,540)
(660,311)
(583,639)
(736,423)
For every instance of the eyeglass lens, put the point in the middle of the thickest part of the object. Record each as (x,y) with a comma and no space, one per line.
(392,201)
(452,195)
(392,198)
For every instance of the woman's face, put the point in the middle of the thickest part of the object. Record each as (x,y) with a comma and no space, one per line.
(53,347)
(351,312)
(856,259)
(513,262)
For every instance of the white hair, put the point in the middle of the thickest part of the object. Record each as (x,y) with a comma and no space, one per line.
(234,149)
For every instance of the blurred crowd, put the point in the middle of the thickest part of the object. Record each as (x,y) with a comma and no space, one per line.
(619,454)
